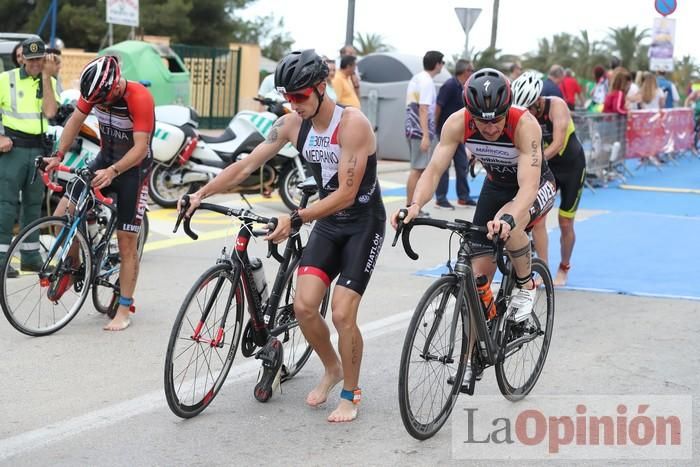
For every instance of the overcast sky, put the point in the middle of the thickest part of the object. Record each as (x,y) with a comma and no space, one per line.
(415,26)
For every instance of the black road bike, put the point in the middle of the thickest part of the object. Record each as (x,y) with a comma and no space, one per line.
(47,295)
(437,342)
(211,323)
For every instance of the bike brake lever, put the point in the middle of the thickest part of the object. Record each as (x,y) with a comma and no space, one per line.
(38,165)
(183,209)
(401,216)
(272,249)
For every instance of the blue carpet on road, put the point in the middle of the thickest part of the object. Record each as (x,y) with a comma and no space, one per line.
(643,244)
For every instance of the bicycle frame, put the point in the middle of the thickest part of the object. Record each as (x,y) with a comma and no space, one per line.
(77,221)
(490,335)
(262,314)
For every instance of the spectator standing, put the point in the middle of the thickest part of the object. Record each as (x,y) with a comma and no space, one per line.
(343,84)
(570,88)
(449,101)
(350,50)
(652,98)
(615,101)
(600,90)
(27,99)
(669,89)
(554,79)
(17,55)
(420,114)
(330,92)
(515,69)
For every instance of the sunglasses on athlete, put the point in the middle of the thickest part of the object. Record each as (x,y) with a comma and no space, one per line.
(298,96)
(485,121)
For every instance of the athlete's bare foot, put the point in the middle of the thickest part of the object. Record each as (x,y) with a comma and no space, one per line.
(319,394)
(346,412)
(121,320)
(562,276)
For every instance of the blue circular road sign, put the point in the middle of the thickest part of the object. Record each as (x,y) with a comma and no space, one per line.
(665,7)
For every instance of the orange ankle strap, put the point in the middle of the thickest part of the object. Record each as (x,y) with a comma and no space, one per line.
(565,267)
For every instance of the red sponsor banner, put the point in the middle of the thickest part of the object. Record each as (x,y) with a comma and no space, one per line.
(652,132)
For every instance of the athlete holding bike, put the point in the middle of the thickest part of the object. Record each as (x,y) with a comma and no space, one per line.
(126,113)
(519,188)
(340,147)
(566,160)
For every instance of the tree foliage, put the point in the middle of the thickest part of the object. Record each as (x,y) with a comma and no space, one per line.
(370,43)
(81,23)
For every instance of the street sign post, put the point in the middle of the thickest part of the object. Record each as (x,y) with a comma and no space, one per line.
(467,17)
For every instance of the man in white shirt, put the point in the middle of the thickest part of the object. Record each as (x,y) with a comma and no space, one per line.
(420,121)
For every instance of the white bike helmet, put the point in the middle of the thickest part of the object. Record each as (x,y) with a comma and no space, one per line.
(526,89)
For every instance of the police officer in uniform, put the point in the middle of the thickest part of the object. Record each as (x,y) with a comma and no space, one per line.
(27,99)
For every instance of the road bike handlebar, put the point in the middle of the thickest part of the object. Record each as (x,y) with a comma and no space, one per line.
(84,173)
(243,214)
(458,225)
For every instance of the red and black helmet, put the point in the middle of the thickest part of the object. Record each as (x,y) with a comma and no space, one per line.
(99,78)
(487,94)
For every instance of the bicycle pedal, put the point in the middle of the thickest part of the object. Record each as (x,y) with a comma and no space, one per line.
(270,375)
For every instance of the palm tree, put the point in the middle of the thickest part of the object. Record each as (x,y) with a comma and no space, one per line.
(683,74)
(588,54)
(538,60)
(626,42)
(487,58)
(370,43)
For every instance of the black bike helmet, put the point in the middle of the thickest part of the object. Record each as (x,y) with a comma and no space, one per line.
(487,94)
(300,70)
(98,79)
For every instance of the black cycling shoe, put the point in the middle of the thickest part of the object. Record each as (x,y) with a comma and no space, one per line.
(272,356)
(468,380)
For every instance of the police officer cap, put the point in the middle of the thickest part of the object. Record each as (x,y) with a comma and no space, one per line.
(33,47)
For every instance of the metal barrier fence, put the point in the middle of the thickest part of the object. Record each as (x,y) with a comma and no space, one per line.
(603,139)
(650,136)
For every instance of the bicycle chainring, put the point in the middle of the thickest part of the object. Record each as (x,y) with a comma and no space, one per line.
(248,346)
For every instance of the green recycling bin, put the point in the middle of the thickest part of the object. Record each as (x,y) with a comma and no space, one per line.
(158,65)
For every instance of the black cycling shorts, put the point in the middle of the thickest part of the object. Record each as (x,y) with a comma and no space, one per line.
(494,196)
(129,189)
(569,171)
(346,249)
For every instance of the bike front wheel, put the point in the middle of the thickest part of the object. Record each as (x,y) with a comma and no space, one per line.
(432,353)
(527,342)
(202,343)
(55,271)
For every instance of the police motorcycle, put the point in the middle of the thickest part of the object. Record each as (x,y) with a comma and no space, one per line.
(185,159)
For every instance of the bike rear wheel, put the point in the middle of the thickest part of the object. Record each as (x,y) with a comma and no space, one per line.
(199,355)
(296,349)
(105,290)
(527,342)
(41,303)
(425,397)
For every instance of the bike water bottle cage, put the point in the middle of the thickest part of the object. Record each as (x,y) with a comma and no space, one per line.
(354,396)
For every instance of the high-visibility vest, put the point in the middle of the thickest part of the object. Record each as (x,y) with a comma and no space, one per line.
(21,109)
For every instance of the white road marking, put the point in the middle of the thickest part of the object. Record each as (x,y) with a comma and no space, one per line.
(50,434)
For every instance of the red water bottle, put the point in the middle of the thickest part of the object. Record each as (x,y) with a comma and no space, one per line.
(484,287)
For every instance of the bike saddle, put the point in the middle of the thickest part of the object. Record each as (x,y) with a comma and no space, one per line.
(308,186)
(227,135)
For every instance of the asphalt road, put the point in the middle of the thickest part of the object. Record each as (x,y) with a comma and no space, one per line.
(87,397)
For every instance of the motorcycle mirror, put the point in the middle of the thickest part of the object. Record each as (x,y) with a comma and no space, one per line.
(145,83)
